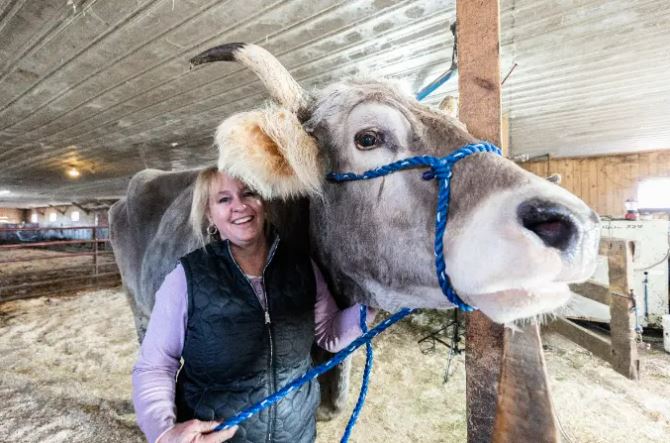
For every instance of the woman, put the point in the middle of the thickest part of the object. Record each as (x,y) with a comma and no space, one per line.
(241,314)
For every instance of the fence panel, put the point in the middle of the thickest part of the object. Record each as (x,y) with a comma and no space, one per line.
(37,261)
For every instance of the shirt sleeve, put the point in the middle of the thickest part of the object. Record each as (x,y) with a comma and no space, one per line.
(335,329)
(154,374)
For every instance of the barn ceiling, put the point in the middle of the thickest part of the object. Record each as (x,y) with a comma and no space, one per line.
(104,85)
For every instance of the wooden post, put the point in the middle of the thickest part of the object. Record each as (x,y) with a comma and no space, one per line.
(524,412)
(520,367)
(479,108)
(95,249)
(505,136)
(483,361)
(622,322)
(95,244)
(621,349)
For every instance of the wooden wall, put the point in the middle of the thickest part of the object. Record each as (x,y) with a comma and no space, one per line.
(11,215)
(605,182)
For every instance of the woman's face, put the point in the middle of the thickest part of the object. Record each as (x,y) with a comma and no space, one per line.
(236,210)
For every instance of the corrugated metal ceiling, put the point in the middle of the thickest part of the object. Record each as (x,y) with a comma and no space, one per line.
(105,86)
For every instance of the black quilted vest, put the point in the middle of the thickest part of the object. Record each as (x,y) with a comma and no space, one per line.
(233,357)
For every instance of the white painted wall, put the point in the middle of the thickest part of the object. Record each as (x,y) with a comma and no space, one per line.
(48,217)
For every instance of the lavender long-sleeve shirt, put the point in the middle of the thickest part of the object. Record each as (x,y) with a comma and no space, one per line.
(159,358)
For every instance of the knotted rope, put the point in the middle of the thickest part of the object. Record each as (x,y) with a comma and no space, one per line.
(440,170)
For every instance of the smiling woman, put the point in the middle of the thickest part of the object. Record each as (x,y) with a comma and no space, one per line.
(243,310)
(227,207)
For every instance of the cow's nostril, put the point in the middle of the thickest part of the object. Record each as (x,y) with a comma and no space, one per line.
(553,223)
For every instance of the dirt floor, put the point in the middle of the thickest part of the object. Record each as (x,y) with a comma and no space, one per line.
(66,378)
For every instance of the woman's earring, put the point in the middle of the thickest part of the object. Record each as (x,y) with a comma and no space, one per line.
(212,230)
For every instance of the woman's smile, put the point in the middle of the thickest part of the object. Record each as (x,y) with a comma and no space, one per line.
(237,211)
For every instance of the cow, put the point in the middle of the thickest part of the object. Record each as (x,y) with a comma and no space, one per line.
(513,241)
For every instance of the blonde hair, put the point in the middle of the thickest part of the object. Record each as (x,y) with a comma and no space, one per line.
(200,203)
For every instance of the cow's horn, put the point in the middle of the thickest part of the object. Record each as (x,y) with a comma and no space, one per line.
(275,77)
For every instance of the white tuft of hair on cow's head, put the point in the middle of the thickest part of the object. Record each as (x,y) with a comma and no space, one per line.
(270,151)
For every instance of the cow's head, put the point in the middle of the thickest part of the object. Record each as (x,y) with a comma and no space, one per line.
(513,243)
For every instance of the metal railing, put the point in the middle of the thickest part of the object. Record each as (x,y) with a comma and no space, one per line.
(53,256)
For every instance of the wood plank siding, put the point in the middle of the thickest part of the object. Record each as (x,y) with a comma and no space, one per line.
(605,182)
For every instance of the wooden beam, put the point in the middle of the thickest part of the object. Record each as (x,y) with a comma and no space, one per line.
(77,205)
(57,209)
(588,340)
(593,291)
(522,356)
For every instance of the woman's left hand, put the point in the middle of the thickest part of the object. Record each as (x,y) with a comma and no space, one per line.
(196,431)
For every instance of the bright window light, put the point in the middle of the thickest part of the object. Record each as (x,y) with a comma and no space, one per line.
(33,217)
(52,217)
(74,215)
(654,194)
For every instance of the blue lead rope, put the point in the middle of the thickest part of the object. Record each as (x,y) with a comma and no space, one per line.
(314,372)
(365,381)
(440,170)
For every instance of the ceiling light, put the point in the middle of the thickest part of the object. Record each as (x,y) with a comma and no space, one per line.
(73,172)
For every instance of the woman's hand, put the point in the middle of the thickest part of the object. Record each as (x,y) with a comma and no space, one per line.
(196,431)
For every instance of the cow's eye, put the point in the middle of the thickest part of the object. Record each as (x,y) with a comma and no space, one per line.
(369,139)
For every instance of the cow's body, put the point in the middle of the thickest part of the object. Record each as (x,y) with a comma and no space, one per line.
(153,206)
(513,240)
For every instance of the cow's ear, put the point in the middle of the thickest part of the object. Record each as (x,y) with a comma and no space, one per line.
(270,151)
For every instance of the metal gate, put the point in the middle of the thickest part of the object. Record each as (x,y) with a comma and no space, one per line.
(37,261)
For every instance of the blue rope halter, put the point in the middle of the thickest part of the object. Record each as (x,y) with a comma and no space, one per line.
(440,170)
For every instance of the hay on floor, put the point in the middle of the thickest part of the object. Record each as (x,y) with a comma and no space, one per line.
(67,361)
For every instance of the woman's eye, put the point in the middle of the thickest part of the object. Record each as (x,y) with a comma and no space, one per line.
(368,139)
(224,200)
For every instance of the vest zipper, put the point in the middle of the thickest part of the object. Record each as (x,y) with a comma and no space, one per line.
(268,324)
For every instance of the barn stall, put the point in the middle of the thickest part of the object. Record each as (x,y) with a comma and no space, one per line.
(96,91)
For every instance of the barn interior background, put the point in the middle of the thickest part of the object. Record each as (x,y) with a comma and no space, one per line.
(93,91)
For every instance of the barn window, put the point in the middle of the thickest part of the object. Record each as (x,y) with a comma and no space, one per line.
(74,215)
(33,217)
(654,194)
(52,217)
